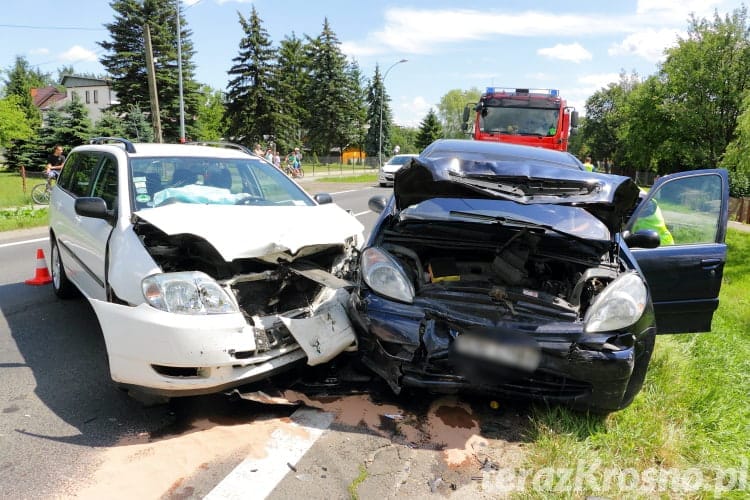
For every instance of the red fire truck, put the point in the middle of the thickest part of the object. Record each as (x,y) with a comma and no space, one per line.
(532,117)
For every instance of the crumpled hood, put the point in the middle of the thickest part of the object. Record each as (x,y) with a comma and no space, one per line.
(608,197)
(238,231)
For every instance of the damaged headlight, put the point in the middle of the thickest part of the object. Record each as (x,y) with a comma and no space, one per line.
(618,306)
(384,275)
(187,293)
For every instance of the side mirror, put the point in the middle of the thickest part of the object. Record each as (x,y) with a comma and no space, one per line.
(377,203)
(645,238)
(323,198)
(466,113)
(92,207)
(574,119)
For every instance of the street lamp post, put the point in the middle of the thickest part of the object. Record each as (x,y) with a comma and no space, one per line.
(382,95)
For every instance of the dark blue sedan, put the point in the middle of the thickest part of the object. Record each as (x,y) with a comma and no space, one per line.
(508,270)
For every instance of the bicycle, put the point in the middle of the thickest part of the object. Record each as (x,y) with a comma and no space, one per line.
(294,172)
(40,193)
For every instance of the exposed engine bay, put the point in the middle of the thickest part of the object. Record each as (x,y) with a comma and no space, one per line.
(524,273)
(271,291)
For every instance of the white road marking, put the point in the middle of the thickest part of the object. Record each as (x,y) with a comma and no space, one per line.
(363,213)
(16,243)
(257,477)
(351,190)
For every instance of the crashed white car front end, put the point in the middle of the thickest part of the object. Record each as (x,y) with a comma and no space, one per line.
(206,302)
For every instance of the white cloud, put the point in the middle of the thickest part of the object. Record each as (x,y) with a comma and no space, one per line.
(677,8)
(410,112)
(409,30)
(573,52)
(78,54)
(648,44)
(354,49)
(42,51)
(595,81)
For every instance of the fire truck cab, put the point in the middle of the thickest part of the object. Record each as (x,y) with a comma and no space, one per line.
(532,117)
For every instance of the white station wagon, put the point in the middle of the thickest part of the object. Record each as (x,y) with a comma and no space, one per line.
(207,266)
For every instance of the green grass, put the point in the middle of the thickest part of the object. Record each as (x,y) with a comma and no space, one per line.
(22,218)
(370,177)
(16,210)
(693,411)
(354,485)
(11,189)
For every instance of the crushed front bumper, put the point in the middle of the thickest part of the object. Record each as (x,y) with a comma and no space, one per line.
(184,355)
(409,347)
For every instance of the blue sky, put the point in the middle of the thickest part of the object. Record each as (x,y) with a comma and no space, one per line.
(577,46)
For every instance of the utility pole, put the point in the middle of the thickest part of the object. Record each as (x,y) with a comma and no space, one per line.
(155,116)
(179,75)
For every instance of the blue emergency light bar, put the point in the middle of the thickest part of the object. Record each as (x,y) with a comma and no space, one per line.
(548,92)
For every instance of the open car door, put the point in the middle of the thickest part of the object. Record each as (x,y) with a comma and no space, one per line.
(690,211)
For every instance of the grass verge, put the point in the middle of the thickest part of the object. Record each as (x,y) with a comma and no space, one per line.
(686,434)
(370,177)
(11,189)
(22,218)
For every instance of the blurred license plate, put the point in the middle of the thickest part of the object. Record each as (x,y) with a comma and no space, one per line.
(517,354)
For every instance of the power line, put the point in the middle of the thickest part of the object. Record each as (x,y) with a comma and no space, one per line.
(55,28)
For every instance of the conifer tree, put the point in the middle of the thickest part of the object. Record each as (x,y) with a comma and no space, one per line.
(292,80)
(328,121)
(252,107)
(375,96)
(429,130)
(125,60)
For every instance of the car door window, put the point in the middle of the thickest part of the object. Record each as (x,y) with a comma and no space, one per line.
(82,172)
(684,211)
(105,183)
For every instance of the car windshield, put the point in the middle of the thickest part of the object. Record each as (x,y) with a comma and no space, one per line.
(159,181)
(399,160)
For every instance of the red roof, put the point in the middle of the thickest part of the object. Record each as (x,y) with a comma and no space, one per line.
(45,97)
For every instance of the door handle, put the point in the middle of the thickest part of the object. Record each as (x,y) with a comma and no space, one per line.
(710,263)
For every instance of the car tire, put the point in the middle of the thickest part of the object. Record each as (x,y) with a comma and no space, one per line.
(62,286)
(383,184)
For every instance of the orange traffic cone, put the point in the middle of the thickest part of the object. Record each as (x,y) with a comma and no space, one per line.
(41,276)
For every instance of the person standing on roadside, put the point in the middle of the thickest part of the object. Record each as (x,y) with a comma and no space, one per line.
(269,155)
(588,165)
(258,149)
(55,162)
(277,160)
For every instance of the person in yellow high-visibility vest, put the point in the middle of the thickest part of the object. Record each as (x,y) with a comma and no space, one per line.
(652,218)
(588,165)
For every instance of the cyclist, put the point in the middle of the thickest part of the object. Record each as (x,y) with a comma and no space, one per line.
(55,162)
(293,162)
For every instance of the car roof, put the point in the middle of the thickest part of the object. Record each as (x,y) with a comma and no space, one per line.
(489,150)
(155,149)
